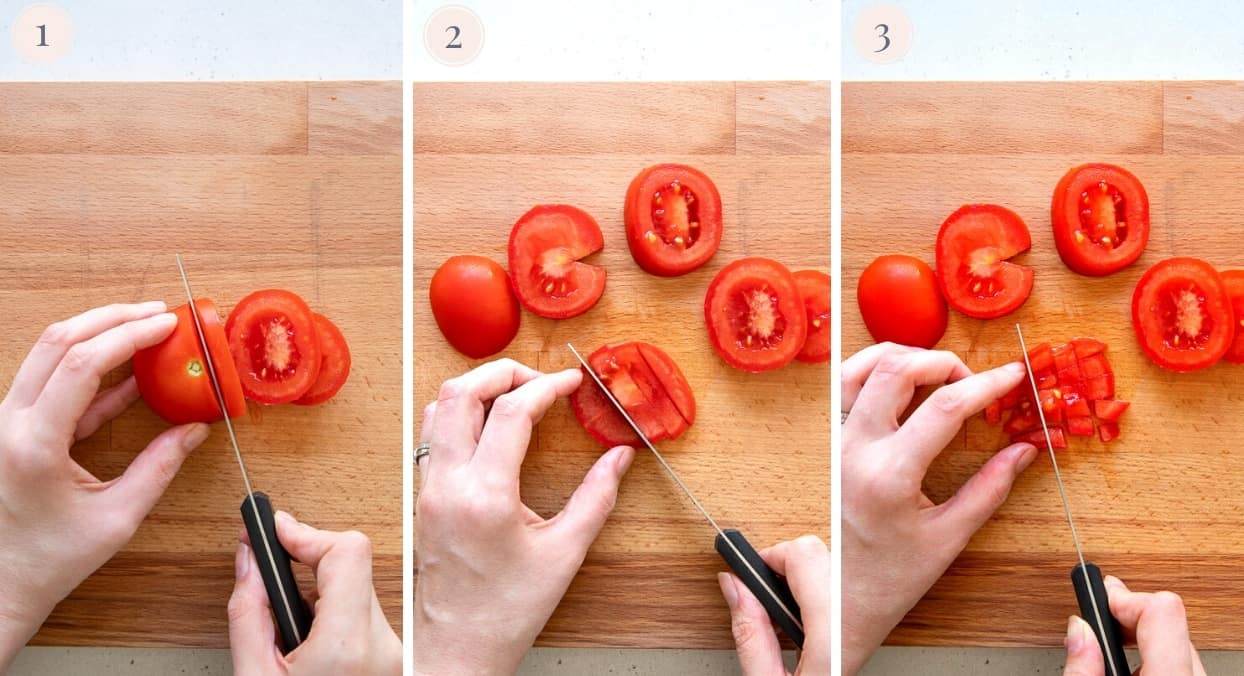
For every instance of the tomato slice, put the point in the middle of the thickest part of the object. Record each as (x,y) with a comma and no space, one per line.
(1100,214)
(756,319)
(172,375)
(813,288)
(1182,315)
(275,345)
(673,219)
(334,363)
(545,249)
(1109,409)
(657,398)
(671,378)
(973,247)
(1233,280)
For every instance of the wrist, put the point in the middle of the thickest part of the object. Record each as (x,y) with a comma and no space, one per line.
(15,632)
(445,649)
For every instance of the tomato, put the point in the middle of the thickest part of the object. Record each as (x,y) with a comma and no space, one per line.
(1108,431)
(973,247)
(1080,426)
(334,363)
(1100,214)
(1233,280)
(1182,314)
(901,303)
(813,288)
(474,305)
(1109,409)
(172,375)
(647,383)
(673,219)
(275,345)
(546,246)
(1037,438)
(756,319)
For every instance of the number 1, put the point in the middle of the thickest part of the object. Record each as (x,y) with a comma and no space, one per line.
(43,35)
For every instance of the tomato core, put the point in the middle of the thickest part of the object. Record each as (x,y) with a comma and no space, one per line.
(675,216)
(1184,322)
(271,347)
(1102,210)
(756,317)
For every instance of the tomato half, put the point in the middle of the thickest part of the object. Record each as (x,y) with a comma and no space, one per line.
(1182,314)
(673,219)
(756,319)
(334,363)
(1233,280)
(901,303)
(973,247)
(646,382)
(172,375)
(474,306)
(275,345)
(813,288)
(1100,214)
(546,246)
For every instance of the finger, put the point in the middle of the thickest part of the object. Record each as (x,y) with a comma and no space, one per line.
(891,385)
(857,367)
(138,490)
(754,637)
(936,421)
(107,405)
(1083,652)
(59,337)
(977,500)
(342,563)
(75,382)
(589,506)
(461,403)
(507,433)
(804,562)
(425,437)
(252,636)
(1160,623)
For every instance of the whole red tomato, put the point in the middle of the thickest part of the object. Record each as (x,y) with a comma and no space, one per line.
(474,305)
(900,302)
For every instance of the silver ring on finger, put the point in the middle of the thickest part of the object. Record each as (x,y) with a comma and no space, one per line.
(421,452)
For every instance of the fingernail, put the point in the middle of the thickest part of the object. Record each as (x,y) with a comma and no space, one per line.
(195,434)
(1016,367)
(283,517)
(1077,635)
(242,562)
(1026,454)
(624,457)
(154,306)
(728,590)
(1112,582)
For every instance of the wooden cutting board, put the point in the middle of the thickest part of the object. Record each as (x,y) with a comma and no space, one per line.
(1160,508)
(258,185)
(758,454)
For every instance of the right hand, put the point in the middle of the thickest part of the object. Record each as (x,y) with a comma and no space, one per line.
(1157,622)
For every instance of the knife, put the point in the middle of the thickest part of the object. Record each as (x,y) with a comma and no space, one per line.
(768,587)
(1085,576)
(293,616)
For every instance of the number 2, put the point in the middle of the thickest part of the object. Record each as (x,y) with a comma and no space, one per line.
(43,35)
(454,42)
(883,35)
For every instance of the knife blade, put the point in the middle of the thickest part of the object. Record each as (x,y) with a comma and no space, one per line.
(769,588)
(293,617)
(1086,577)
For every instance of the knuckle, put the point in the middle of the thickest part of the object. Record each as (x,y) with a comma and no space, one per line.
(451,389)
(429,411)
(893,364)
(1169,603)
(57,334)
(483,510)
(809,545)
(356,544)
(744,629)
(508,406)
(949,400)
(79,357)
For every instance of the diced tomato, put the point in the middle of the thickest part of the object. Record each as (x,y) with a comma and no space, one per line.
(1070,375)
(993,412)
(1020,422)
(1094,366)
(1108,431)
(1047,382)
(1011,399)
(1101,387)
(1080,426)
(1041,357)
(1037,438)
(1087,347)
(1110,410)
(1064,357)
(1075,404)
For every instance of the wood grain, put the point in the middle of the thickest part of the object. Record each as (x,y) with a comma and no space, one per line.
(221,174)
(1159,508)
(758,454)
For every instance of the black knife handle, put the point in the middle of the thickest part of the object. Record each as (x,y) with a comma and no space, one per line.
(792,622)
(1082,577)
(294,628)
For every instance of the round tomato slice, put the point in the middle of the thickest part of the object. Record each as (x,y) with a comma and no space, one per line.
(813,288)
(673,219)
(756,319)
(1100,214)
(474,306)
(900,302)
(172,376)
(1182,314)
(546,245)
(1233,280)
(334,363)
(646,382)
(275,345)
(973,247)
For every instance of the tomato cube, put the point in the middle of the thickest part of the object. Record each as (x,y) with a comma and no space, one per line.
(1076,404)
(1108,431)
(1080,426)
(1011,399)
(1094,366)
(1087,347)
(1037,438)
(993,413)
(1064,357)
(1101,387)
(1041,358)
(1070,375)
(1110,409)
(1021,421)
(1047,382)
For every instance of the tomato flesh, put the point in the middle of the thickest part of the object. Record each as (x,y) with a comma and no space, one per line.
(657,398)
(900,302)
(755,316)
(1100,214)
(1233,280)
(546,246)
(973,248)
(172,376)
(334,363)
(813,288)
(275,345)
(673,219)
(1182,315)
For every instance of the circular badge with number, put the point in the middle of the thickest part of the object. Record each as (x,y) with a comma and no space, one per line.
(454,35)
(883,33)
(42,33)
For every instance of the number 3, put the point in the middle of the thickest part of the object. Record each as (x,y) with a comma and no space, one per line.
(883,35)
(454,42)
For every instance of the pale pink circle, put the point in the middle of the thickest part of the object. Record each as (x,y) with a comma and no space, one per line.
(42,33)
(454,35)
(883,33)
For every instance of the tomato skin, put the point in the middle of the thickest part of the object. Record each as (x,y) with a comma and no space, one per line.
(973,272)
(1233,280)
(172,375)
(813,288)
(474,305)
(735,310)
(1083,253)
(901,303)
(647,382)
(651,242)
(334,363)
(275,345)
(1164,284)
(546,245)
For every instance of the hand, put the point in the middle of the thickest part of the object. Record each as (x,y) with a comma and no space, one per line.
(350,634)
(59,523)
(896,542)
(490,571)
(805,565)
(1156,621)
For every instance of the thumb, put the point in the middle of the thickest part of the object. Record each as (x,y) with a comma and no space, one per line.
(585,513)
(984,493)
(252,636)
(148,476)
(754,637)
(1083,653)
